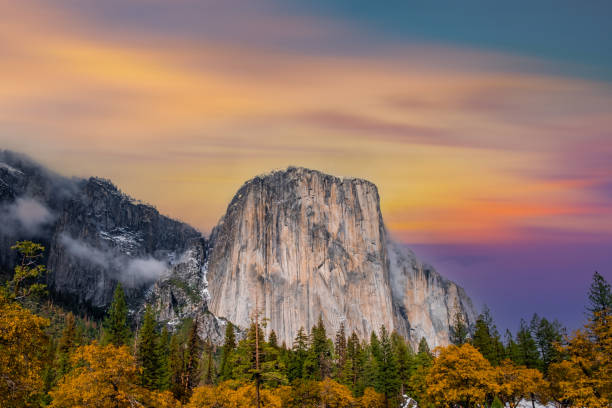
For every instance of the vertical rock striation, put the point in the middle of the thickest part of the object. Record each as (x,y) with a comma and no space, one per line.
(299,243)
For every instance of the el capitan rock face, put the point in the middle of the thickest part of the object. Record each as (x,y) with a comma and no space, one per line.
(300,243)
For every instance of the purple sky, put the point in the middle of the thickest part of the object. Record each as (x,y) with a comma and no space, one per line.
(516,280)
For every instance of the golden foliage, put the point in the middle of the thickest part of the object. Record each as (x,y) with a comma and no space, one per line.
(334,395)
(515,383)
(226,396)
(460,375)
(585,378)
(22,345)
(371,399)
(106,377)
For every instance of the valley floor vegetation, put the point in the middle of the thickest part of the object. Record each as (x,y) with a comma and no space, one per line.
(50,357)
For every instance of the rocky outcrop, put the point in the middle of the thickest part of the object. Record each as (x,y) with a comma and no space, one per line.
(297,244)
(95,235)
(183,294)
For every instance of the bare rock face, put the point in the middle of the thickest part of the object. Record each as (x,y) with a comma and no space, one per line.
(183,294)
(297,244)
(425,302)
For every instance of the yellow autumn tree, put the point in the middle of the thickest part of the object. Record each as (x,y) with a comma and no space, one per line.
(22,345)
(106,377)
(585,378)
(515,383)
(232,395)
(371,399)
(460,375)
(334,394)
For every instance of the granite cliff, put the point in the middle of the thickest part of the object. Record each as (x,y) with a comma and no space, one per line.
(298,243)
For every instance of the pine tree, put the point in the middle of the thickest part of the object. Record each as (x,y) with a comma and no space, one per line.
(210,372)
(512,349)
(405,359)
(66,344)
(318,361)
(229,346)
(340,352)
(353,353)
(115,326)
(486,338)
(424,347)
(176,366)
(459,330)
(388,378)
(163,356)
(193,358)
(147,352)
(528,349)
(298,356)
(600,298)
(273,340)
(547,336)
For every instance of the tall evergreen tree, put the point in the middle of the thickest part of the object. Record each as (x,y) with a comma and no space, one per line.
(163,355)
(405,359)
(229,345)
(388,376)
(424,347)
(353,353)
(273,340)
(512,349)
(486,338)
(600,298)
(176,365)
(65,346)
(459,330)
(340,352)
(147,352)
(194,351)
(528,349)
(547,336)
(210,372)
(115,326)
(318,361)
(298,356)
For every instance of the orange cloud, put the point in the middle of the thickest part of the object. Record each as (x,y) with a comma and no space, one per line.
(182,123)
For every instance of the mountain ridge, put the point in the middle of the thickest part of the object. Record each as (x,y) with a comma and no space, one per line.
(98,236)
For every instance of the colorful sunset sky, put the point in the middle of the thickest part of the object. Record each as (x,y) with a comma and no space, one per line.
(487,126)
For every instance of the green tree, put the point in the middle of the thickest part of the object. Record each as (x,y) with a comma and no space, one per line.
(405,359)
(27,272)
(459,330)
(547,335)
(210,372)
(529,355)
(424,347)
(147,351)
(272,339)
(486,338)
(600,298)
(115,325)
(194,350)
(512,350)
(340,354)
(229,345)
(65,346)
(353,354)
(298,355)
(163,355)
(388,376)
(318,360)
